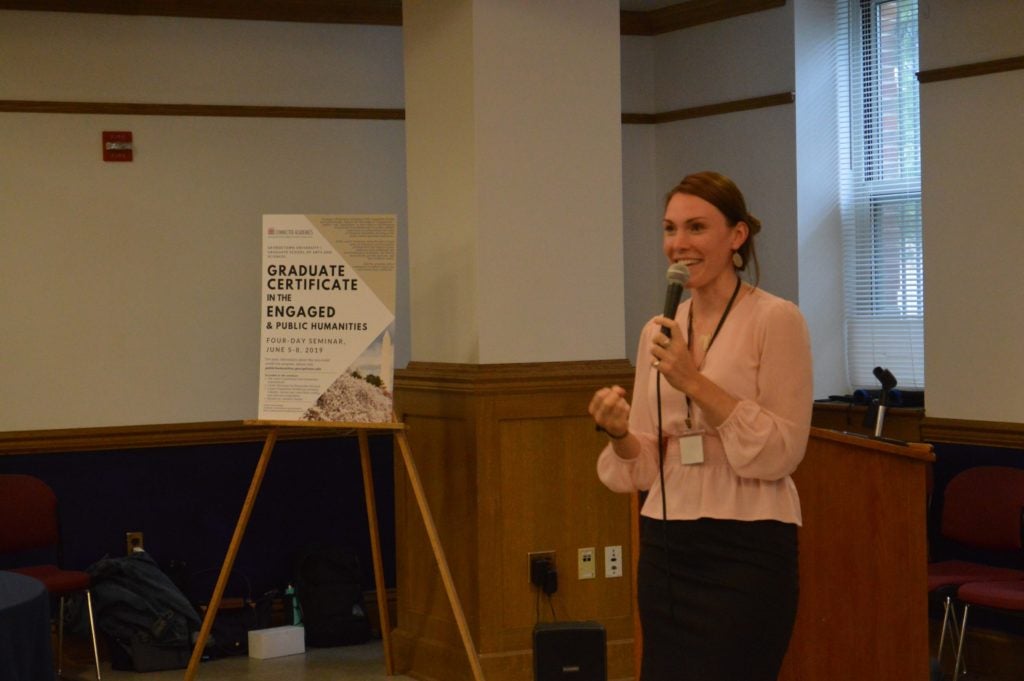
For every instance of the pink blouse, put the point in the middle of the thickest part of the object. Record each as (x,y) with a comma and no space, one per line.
(762,357)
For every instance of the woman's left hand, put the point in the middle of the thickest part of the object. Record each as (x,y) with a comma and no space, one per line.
(670,356)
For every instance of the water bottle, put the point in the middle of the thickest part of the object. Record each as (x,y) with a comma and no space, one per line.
(294,602)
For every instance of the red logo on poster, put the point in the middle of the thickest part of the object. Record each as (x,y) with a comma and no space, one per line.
(117,146)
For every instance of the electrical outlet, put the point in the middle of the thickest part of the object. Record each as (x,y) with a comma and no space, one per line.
(613,561)
(133,542)
(539,564)
(586,565)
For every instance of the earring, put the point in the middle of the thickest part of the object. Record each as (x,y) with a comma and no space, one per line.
(737,260)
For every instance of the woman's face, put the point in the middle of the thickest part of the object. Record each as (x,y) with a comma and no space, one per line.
(697,234)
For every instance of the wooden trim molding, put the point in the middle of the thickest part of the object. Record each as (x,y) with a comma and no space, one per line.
(706,110)
(243,111)
(233,111)
(374,12)
(970,70)
(454,378)
(985,433)
(146,437)
(484,379)
(689,14)
(508,379)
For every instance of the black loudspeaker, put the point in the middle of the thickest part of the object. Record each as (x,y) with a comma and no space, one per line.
(569,651)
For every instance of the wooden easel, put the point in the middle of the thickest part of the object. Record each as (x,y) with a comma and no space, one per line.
(360,430)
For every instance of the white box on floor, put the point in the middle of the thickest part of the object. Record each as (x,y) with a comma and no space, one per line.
(277,642)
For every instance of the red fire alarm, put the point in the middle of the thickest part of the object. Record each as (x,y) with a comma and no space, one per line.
(117,146)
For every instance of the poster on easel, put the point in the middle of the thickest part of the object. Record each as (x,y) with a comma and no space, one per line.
(327,318)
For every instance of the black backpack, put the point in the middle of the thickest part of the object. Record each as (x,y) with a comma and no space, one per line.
(148,621)
(328,585)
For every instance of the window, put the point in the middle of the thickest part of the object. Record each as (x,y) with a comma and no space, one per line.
(880,192)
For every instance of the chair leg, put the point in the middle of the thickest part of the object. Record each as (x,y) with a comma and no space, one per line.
(954,634)
(952,627)
(60,639)
(945,625)
(960,647)
(92,632)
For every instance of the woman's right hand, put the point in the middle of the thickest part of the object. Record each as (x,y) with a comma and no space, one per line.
(610,411)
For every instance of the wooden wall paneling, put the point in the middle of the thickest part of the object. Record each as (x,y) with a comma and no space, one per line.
(159,435)
(426,635)
(548,480)
(912,425)
(516,440)
(900,423)
(982,433)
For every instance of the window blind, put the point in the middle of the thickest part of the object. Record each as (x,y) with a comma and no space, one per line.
(880,190)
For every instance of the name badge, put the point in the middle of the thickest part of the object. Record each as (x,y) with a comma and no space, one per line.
(691,448)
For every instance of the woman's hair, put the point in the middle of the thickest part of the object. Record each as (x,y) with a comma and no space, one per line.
(723,194)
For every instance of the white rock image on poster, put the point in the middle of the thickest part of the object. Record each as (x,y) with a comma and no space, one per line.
(327,318)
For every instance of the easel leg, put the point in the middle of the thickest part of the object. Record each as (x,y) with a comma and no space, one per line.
(229,559)
(378,565)
(442,562)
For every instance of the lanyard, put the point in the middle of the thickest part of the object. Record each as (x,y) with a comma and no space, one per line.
(689,341)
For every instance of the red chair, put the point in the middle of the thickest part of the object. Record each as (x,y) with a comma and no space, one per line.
(29,522)
(981,510)
(1002,596)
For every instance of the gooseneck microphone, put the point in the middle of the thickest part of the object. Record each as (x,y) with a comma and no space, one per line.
(678,274)
(888,382)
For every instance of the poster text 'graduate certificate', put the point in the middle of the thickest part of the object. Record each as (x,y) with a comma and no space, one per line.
(327,318)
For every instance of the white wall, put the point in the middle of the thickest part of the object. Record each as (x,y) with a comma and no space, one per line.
(642,195)
(756,149)
(954,32)
(739,58)
(973,154)
(548,163)
(87,241)
(107,58)
(130,292)
(515,178)
(819,247)
(974,241)
(746,56)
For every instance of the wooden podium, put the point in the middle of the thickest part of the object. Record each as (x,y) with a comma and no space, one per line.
(863,610)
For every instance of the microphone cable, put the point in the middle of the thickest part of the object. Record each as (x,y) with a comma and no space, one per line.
(662,452)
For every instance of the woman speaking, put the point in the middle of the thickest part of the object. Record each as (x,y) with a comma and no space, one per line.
(719,420)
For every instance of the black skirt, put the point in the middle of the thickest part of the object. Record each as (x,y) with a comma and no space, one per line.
(717,598)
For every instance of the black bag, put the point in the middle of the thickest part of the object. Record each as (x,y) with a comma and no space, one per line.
(149,622)
(328,585)
(145,656)
(229,633)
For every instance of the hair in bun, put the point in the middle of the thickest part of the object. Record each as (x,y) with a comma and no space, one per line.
(722,193)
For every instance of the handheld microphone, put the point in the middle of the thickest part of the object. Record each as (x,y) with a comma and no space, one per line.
(678,274)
